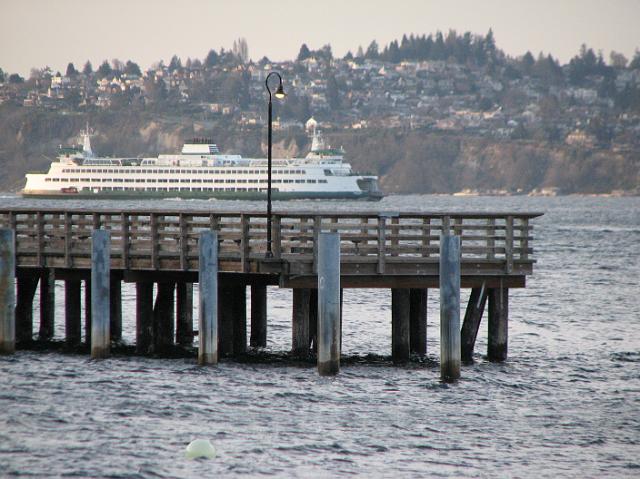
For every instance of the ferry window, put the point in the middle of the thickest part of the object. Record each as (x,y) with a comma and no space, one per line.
(299,181)
(322,181)
(274,181)
(47,179)
(311,181)
(173,180)
(154,172)
(328,173)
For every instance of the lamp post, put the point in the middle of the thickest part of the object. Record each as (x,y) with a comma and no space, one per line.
(278,94)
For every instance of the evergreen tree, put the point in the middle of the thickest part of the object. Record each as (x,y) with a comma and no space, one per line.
(393,54)
(212,59)
(635,63)
(304,52)
(372,51)
(333,92)
(1,76)
(348,56)
(132,68)
(71,70)
(104,70)
(175,64)
(88,68)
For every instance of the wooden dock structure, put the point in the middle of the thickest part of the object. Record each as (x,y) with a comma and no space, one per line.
(378,249)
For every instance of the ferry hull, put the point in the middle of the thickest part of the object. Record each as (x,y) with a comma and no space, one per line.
(207,195)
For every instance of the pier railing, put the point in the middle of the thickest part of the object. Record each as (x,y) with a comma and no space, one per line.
(370,243)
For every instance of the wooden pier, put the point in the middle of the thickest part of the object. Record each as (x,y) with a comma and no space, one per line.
(395,250)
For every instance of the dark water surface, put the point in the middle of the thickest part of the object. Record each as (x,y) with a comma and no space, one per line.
(565,404)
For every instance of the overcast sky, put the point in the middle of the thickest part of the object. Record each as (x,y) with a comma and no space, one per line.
(35,33)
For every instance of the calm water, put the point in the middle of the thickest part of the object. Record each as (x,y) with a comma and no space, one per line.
(565,404)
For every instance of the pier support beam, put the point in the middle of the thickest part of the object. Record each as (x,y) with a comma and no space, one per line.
(26,288)
(7,292)
(400,325)
(47,304)
(329,304)
(258,316)
(300,322)
(498,324)
(449,307)
(184,313)
(72,308)
(208,297)
(164,317)
(144,317)
(471,324)
(115,299)
(418,321)
(100,286)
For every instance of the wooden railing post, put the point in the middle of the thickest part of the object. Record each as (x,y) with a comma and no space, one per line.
(67,240)
(244,243)
(382,241)
(426,239)
(524,239)
(508,245)
(276,236)
(153,220)
(491,242)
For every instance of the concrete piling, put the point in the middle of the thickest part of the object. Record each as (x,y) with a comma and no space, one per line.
(328,304)
(208,297)
(100,298)
(449,307)
(164,317)
(26,290)
(7,292)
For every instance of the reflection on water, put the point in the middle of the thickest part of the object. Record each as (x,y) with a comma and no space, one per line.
(565,403)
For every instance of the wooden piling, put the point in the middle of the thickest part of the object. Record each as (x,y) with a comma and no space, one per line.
(184,314)
(328,304)
(418,321)
(300,322)
(115,301)
(239,315)
(47,304)
(100,287)
(87,311)
(400,325)
(144,317)
(498,324)
(26,289)
(313,320)
(225,319)
(7,292)
(258,316)
(164,317)
(471,323)
(208,298)
(72,308)
(449,307)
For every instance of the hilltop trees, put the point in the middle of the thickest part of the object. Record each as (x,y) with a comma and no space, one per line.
(104,70)
(71,70)
(88,68)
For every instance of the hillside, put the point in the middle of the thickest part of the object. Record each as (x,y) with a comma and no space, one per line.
(407,161)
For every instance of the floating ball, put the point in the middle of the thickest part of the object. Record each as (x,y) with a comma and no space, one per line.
(200,448)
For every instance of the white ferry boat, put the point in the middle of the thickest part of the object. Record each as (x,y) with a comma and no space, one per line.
(201,171)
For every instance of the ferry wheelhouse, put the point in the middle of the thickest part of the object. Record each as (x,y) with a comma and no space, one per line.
(201,171)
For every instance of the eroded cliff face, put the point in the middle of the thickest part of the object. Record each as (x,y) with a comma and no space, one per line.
(406,161)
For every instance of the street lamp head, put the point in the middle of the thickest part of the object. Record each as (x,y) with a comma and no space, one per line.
(280,94)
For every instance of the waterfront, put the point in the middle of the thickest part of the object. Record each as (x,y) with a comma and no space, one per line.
(564,404)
